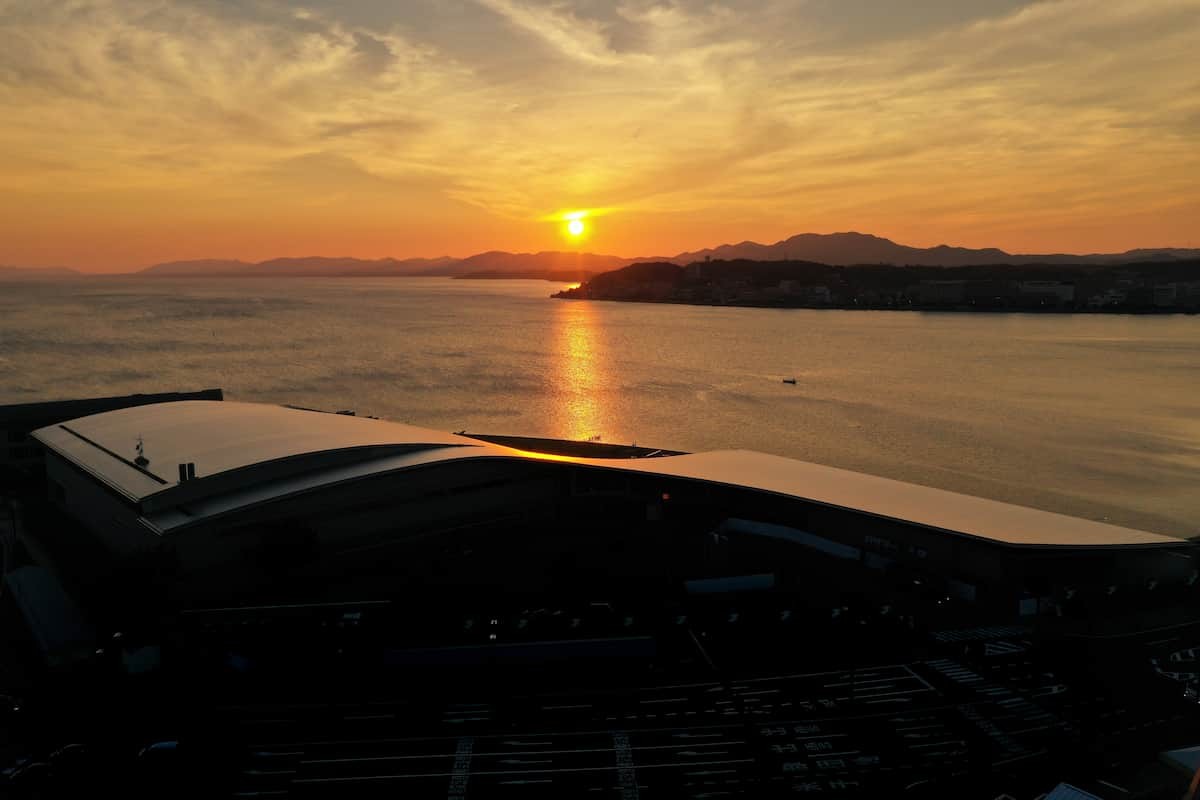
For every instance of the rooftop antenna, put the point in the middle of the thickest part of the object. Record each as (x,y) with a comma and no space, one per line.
(141,459)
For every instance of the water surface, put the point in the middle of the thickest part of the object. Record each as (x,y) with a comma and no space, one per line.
(1096,416)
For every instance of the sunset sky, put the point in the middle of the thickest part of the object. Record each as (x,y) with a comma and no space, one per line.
(137,131)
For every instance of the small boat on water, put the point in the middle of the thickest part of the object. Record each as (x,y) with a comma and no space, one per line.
(792,381)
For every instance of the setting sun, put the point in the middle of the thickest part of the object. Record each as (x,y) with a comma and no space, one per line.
(575,227)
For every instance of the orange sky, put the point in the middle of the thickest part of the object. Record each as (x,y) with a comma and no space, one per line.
(138,131)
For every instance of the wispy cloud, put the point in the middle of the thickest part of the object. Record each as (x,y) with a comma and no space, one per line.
(390,127)
(1047,114)
(557,27)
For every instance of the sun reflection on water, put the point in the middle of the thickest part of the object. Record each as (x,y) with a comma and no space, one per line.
(579,360)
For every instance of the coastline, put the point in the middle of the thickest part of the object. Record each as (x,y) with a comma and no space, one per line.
(928,309)
(1152,287)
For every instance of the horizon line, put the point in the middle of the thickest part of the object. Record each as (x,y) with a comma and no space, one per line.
(133,270)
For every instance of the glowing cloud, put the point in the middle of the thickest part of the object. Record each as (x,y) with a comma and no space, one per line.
(138,130)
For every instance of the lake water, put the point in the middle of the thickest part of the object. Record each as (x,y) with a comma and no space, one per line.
(1096,416)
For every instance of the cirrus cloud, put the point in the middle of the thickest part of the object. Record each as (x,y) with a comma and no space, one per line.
(989,118)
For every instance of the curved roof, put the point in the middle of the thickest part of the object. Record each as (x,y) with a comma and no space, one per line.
(923,505)
(256,441)
(248,453)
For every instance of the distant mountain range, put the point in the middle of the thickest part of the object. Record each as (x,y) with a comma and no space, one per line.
(490,264)
(837,249)
(35,273)
(300,267)
(847,249)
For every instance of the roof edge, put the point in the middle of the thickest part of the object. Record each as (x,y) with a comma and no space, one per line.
(202,486)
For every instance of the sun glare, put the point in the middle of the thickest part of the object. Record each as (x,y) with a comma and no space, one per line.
(575,224)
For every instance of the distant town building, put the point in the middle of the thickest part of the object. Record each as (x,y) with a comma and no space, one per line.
(1177,294)
(1108,299)
(1187,293)
(815,295)
(991,293)
(1051,292)
(940,292)
(1164,295)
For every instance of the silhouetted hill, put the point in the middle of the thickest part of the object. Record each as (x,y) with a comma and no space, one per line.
(566,276)
(545,261)
(298,267)
(844,249)
(316,266)
(35,273)
(1160,255)
(637,274)
(1133,286)
(496,263)
(198,267)
(837,249)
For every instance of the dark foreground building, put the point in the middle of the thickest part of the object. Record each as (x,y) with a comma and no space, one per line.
(298,604)
(18,454)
